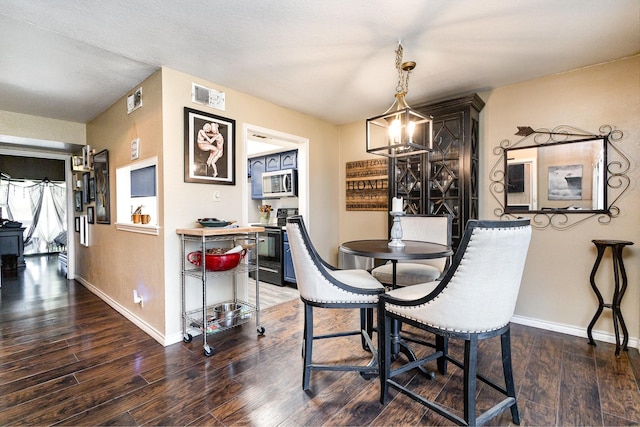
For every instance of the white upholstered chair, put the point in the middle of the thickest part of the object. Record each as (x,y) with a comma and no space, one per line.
(427,228)
(322,286)
(474,300)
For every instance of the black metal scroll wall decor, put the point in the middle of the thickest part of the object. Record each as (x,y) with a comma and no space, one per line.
(558,173)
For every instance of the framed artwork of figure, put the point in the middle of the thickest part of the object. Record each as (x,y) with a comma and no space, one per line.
(209,148)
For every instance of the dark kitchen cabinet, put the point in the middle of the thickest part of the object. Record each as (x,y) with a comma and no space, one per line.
(289,159)
(257,167)
(272,162)
(445,181)
(289,272)
(269,163)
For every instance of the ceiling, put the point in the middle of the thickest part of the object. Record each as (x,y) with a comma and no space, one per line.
(332,59)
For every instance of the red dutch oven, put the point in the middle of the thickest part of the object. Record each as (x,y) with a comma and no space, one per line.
(217,261)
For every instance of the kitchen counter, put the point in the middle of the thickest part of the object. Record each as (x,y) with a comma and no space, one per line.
(276,226)
(219,231)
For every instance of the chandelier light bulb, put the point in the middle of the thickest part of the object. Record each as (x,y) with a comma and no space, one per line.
(410,129)
(395,131)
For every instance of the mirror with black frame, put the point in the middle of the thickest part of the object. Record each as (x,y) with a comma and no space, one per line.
(566,177)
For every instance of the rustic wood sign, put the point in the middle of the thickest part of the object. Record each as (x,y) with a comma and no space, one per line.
(367,185)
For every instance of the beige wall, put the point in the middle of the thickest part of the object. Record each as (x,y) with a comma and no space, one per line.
(185,202)
(555,292)
(117,262)
(25,126)
(555,288)
(357,224)
(152,264)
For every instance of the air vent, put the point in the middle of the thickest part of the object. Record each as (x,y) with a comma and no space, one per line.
(206,96)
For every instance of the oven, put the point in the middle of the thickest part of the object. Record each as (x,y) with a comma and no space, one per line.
(269,249)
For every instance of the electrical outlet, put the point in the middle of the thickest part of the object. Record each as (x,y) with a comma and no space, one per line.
(137,299)
(216,196)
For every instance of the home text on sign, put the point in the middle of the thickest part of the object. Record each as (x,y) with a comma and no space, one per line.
(367,185)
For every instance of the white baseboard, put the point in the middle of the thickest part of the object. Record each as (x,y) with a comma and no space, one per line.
(572,330)
(527,321)
(172,339)
(150,330)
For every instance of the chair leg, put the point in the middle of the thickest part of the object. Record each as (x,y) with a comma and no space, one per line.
(366,324)
(304,333)
(363,326)
(507,368)
(470,372)
(308,345)
(442,344)
(384,353)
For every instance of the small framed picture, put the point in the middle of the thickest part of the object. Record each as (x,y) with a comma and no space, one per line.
(90,215)
(92,189)
(86,157)
(85,188)
(77,225)
(77,197)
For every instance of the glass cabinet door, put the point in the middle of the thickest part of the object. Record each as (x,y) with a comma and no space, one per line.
(444,181)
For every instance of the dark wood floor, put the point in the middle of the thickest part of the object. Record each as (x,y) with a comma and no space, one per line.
(68,358)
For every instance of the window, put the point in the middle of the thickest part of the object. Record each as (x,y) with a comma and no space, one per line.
(136,192)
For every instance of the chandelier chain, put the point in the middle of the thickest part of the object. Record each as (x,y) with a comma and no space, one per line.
(403,74)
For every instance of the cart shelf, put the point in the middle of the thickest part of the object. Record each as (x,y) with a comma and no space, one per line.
(239,317)
(203,319)
(243,267)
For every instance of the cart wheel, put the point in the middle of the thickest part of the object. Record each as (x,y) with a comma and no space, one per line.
(260,330)
(187,338)
(208,351)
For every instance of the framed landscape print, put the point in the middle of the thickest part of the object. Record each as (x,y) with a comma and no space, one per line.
(101,175)
(565,182)
(209,148)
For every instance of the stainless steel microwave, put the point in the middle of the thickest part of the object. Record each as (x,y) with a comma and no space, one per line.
(282,183)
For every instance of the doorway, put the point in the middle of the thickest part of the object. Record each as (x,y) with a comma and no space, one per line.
(24,150)
(259,140)
(522,188)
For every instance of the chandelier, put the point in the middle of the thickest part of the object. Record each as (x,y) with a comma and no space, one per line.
(400,131)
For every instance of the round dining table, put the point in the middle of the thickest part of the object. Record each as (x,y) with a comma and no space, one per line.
(412,250)
(380,249)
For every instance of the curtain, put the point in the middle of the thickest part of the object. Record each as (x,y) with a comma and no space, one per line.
(40,207)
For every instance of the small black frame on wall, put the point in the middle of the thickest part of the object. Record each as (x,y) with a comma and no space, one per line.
(77,201)
(91,216)
(86,198)
(101,175)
